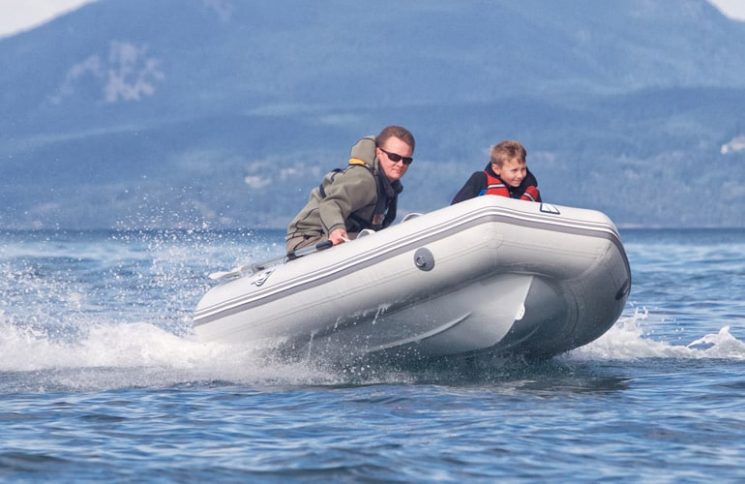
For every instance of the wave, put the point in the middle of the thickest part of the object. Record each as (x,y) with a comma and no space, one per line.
(118,355)
(627,340)
(114,355)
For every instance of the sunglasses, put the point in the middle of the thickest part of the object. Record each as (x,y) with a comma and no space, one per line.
(395,157)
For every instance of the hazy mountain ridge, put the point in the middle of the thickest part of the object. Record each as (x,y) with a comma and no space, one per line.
(225,113)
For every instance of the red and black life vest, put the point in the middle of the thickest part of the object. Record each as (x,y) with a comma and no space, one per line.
(495,186)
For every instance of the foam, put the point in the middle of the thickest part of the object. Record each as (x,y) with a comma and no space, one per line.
(114,355)
(627,340)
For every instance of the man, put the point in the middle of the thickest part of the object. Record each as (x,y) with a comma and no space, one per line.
(363,196)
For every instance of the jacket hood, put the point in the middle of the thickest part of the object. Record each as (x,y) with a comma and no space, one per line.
(363,153)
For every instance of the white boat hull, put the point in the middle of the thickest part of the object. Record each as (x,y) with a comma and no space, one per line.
(487,276)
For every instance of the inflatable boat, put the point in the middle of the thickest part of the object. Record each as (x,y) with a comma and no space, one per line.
(489,276)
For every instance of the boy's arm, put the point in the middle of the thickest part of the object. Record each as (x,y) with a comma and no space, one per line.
(531,192)
(472,188)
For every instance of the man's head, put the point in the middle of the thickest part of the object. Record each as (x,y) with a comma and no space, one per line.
(508,160)
(394,150)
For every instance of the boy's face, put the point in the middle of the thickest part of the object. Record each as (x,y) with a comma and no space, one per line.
(512,171)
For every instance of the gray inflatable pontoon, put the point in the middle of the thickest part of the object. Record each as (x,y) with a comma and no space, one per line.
(488,276)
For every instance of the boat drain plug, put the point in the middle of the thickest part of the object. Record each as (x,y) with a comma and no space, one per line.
(424,259)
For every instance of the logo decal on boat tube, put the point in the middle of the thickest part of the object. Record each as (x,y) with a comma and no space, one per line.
(548,208)
(261,278)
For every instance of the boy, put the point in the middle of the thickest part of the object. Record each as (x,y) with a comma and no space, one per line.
(506,175)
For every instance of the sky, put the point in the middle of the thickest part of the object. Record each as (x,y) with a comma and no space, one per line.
(731,8)
(19,15)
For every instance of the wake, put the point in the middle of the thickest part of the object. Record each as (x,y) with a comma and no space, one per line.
(116,355)
(627,340)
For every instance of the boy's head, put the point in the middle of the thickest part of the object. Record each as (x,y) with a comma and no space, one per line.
(508,160)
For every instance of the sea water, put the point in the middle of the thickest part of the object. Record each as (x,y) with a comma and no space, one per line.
(101,378)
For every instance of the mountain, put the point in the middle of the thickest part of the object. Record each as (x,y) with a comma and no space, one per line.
(222,113)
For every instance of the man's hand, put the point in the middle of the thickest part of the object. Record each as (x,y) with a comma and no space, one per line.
(338,236)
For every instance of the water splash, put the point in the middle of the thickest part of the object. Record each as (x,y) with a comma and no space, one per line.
(114,310)
(115,355)
(720,345)
(627,340)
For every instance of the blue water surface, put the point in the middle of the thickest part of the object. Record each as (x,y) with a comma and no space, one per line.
(101,379)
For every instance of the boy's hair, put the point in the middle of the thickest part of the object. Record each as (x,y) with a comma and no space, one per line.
(401,133)
(508,150)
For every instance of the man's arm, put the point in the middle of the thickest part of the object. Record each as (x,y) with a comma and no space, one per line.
(350,191)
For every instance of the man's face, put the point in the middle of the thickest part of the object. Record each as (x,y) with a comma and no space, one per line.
(394,148)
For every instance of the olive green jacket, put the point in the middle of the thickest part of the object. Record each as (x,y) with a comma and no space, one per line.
(353,198)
